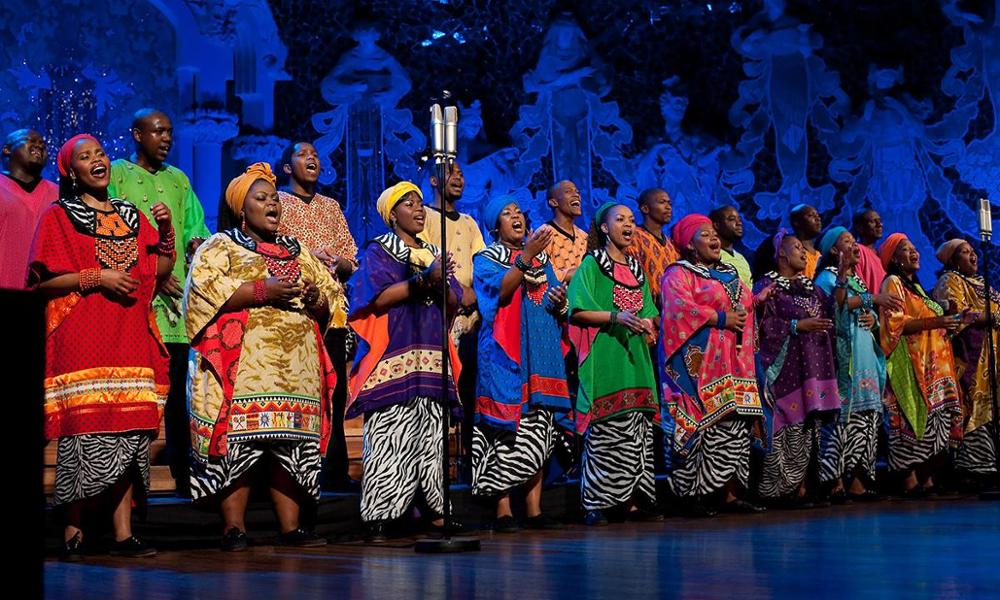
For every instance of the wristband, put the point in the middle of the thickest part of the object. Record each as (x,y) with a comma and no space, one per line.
(795,327)
(90,279)
(720,322)
(259,292)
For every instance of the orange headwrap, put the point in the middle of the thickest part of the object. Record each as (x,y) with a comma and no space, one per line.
(236,191)
(65,157)
(685,229)
(888,248)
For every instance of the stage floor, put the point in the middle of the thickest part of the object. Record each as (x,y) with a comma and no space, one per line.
(916,550)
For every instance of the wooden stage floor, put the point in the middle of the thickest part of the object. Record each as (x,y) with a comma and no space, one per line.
(913,550)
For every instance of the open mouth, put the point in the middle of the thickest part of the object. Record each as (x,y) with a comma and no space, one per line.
(627,234)
(517,226)
(715,246)
(35,152)
(271,215)
(99,171)
(312,167)
(164,150)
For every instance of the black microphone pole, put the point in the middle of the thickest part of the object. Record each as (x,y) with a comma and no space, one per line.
(985,234)
(444,160)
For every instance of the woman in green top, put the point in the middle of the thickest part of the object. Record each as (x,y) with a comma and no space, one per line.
(611,325)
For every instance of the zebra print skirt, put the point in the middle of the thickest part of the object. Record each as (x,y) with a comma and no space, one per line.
(906,452)
(402,456)
(976,454)
(618,462)
(793,449)
(503,460)
(720,453)
(856,446)
(88,464)
(302,460)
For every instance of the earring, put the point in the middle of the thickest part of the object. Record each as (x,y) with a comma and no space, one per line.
(243,223)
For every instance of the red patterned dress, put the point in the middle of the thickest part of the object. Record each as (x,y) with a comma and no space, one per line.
(106,372)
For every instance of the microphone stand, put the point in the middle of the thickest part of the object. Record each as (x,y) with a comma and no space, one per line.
(985,233)
(444,162)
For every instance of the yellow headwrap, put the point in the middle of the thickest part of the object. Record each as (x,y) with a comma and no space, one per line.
(236,191)
(389,198)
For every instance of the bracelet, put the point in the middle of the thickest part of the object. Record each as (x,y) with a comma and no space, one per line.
(720,322)
(259,292)
(795,327)
(866,301)
(90,279)
(521,265)
(840,284)
(614,318)
(167,245)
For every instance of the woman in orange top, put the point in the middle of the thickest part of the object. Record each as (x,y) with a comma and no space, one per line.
(921,398)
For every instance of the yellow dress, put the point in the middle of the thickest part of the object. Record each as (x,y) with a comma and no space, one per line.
(258,374)
(972,367)
(922,397)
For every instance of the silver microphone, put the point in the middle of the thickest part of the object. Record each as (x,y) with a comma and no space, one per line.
(985,218)
(451,131)
(437,133)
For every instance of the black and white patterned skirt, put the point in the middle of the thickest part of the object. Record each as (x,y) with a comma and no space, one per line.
(402,457)
(618,462)
(89,464)
(503,459)
(793,449)
(720,453)
(976,454)
(301,459)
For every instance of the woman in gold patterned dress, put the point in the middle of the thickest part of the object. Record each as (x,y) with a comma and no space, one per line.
(257,307)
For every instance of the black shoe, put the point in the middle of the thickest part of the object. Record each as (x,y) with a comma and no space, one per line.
(132,547)
(914,493)
(375,532)
(865,496)
(840,497)
(300,538)
(699,509)
(506,524)
(644,516)
(595,518)
(543,521)
(742,507)
(72,550)
(453,527)
(234,540)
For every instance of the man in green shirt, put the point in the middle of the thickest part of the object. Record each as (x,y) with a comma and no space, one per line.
(729,226)
(144,179)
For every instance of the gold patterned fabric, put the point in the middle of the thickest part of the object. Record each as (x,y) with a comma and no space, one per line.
(273,389)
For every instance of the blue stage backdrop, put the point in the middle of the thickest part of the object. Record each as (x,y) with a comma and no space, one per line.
(889,104)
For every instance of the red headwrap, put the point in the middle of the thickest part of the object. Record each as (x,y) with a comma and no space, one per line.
(888,248)
(65,156)
(685,229)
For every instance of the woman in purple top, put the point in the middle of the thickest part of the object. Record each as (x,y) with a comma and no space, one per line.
(396,379)
(799,378)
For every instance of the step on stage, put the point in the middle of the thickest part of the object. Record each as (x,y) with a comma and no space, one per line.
(931,549)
